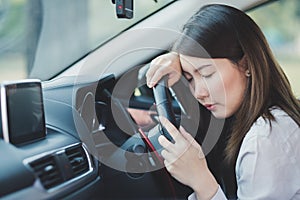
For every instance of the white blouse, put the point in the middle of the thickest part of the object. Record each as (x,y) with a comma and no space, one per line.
(268,163)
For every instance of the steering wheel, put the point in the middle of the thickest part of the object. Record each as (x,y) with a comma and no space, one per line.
(120,150)
(164,105)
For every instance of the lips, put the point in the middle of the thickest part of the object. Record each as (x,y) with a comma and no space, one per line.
(210,106)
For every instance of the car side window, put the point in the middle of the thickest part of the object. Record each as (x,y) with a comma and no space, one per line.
(280,22)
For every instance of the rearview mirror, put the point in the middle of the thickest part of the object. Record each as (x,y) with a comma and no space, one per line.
(124,8)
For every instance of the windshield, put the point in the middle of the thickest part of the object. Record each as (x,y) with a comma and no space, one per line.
(41,38)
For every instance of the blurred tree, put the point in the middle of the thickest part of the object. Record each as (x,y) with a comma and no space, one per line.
(284,15)
(34,17)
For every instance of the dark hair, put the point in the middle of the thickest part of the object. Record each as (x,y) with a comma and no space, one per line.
(221,31)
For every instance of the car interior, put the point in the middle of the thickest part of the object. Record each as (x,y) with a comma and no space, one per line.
(89,130)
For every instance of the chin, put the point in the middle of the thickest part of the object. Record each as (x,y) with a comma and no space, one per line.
(221,114)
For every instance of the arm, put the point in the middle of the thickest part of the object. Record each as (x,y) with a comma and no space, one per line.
(218,196)
(186,162)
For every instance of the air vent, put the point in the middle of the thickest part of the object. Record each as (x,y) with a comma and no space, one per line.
(47,171)
(78,160)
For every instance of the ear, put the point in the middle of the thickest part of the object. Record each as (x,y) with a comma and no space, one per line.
(244,66)
(243,63)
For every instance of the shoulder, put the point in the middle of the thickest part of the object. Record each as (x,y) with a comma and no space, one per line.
(283,126)
(272,139)
(269,152)
(268,140)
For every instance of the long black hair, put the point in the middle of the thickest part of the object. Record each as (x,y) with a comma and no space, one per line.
(221,31)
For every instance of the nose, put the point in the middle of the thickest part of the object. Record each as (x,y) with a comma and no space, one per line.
(201,90)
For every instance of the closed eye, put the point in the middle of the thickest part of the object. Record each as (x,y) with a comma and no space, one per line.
(207,76)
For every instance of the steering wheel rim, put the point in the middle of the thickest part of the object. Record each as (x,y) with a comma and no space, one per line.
(164,106)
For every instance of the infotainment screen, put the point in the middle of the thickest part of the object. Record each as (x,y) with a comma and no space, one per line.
(22,111)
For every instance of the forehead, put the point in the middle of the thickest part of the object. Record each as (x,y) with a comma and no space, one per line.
(189,62)
(195,60)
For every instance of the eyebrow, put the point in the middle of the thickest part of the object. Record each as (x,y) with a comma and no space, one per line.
(197,69)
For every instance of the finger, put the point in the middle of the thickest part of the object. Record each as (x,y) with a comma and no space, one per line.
(162,70)
(172,130)
(173,78)
(151,71)
(166,155)
(168,165)
(155,65)
(169,157)
(186,135)
(165,143)
(189,138)
(192,141)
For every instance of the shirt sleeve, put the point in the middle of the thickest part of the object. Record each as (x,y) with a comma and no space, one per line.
(218,196)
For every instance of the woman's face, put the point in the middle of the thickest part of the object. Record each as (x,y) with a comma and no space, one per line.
(217,84)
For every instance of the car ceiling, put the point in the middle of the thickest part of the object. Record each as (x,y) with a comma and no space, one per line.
(144,40)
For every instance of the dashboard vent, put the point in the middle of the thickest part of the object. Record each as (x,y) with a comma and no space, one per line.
(78,160)
(47,170)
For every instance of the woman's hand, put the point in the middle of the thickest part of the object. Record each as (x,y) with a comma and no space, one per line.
(186,162)
(167,64)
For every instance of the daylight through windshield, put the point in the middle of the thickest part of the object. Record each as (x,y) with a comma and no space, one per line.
(40,38)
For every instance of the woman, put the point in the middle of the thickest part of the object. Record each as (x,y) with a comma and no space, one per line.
(232,72)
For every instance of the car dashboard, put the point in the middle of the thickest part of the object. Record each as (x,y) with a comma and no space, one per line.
(84,151)
(57,166)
